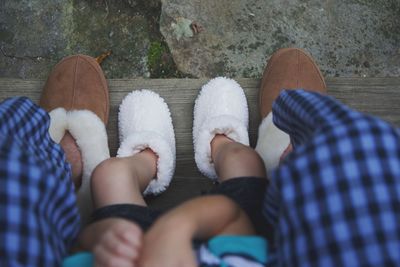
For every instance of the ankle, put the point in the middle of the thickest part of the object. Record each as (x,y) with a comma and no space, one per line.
(144,164)
(217,144)
(149,159)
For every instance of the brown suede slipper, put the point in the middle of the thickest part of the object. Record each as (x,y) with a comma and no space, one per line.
(76,97)
(288,68)
(76,83)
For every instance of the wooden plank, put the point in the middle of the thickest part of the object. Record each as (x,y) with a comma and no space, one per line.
(377,96)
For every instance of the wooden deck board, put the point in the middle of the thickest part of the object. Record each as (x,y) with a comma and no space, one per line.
(376,96)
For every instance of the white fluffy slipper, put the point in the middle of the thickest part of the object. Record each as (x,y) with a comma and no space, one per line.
(145,122)
(90,135)
(220,108)
(271,143)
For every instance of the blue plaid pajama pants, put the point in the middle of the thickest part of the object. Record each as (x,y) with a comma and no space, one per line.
(335,201)
(38,215)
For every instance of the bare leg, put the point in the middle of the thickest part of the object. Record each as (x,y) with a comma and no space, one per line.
(118,181)
(232,159)
(123,180)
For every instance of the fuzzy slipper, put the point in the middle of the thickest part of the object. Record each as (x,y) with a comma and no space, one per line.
(76,97)
(220,108)
(145,122)
(268,135)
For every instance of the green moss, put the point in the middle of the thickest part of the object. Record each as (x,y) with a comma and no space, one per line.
(160,62)
(154,55)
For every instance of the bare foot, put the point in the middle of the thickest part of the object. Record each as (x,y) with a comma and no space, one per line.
(74,158)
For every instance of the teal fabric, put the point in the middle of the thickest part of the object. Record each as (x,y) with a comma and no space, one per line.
(83,259)
(254,246)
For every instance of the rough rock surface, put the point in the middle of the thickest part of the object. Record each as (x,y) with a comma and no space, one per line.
(235,37)
(36,34)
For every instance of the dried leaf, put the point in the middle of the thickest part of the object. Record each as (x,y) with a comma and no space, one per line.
(103,56)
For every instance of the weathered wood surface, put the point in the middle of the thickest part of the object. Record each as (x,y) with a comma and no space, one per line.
(377,96)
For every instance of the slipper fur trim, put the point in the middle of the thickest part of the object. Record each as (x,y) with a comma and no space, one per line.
(90,135)
(58,124)
(220,108)
(271,143)
(145,122)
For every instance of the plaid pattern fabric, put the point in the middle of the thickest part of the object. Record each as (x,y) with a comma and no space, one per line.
(38,216)
(335,201)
